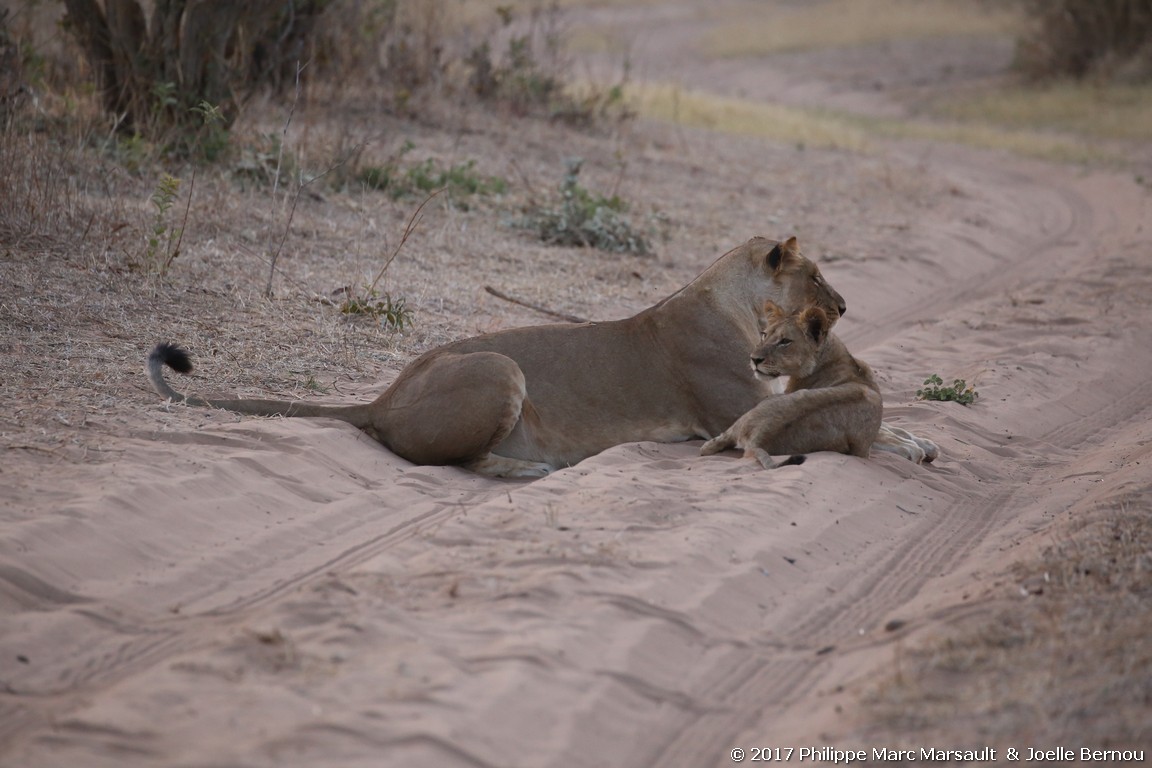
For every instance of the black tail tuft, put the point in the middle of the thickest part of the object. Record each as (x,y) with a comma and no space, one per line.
(172,356)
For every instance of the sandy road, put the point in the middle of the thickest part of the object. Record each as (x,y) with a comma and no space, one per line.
(287,593)
(338,605)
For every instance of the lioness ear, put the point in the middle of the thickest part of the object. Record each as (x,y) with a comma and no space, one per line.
(816,322)
(782,253)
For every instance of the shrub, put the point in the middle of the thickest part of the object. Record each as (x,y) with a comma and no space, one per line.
(157,73)
(529,77)
(585,218)
(525,78)
(1087,38)
(162,241)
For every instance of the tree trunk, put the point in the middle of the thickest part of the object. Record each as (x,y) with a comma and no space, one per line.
(88,24)
(153,72)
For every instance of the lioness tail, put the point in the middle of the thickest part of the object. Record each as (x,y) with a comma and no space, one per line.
(176,358)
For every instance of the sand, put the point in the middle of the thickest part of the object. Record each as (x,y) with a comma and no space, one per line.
(218,591)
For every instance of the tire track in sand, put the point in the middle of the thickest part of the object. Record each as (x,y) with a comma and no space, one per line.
(151,641)
(747,685)
(1065,219)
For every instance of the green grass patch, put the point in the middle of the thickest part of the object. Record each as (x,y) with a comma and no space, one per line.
(459,181)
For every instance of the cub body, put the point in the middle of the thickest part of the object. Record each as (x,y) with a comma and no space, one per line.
(831,403)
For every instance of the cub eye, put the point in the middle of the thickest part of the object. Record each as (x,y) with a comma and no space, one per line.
(763,335)
(784,343)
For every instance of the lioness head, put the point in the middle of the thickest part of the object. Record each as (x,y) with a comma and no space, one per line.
(790,343)
(799,280)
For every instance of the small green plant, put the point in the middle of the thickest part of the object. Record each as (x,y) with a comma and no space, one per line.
(585,218)
(460,179)
(207,142)
(391,312)
(162,242)
(377,177)
(312,385)
(211,139)
(459,182)
(959,392)
(198,132)
(132,152)
(382,177)
(163,99)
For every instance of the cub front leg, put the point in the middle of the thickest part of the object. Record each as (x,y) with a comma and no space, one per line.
(903,443)
(721,442)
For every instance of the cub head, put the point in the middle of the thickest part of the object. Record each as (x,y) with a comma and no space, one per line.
(789,343)
(798,281)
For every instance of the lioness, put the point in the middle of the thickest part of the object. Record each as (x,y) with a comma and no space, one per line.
(831,403)
(526,401)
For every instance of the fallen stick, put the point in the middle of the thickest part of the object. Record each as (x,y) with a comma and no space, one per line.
(536,307)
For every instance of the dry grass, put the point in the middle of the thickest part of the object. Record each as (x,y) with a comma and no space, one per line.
(79,310)
(1122,112)
(42,190)
(986,134)
(827,129)
(575,4)
(838,23)
(776,122)
(1067,661)
(1062,123)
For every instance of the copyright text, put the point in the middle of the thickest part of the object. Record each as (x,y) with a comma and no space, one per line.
(833,756)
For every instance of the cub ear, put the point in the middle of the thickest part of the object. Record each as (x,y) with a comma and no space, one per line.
(816,323)
(772,310)
(782,253)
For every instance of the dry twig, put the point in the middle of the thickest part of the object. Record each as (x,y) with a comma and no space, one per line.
(536,307)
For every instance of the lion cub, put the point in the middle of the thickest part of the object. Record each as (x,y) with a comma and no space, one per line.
(831,403)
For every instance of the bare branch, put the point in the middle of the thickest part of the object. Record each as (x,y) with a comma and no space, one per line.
(536,307)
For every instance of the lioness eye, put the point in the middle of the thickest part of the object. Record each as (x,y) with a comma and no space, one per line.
(784,342)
